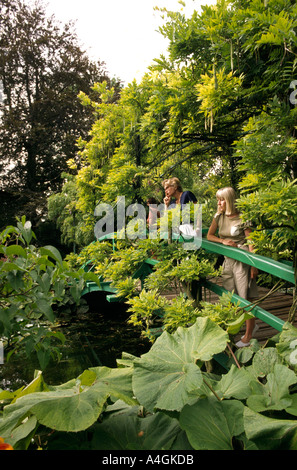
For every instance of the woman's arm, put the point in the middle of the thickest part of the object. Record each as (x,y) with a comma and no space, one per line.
(211,236)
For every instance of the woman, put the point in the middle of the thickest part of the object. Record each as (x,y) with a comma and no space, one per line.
(237,276)
(173,189)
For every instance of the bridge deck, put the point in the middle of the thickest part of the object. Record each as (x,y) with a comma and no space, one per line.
(279,305)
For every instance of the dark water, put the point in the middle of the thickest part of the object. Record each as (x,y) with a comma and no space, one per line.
(96,337)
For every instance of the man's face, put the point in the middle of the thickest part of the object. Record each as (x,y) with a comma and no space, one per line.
(169,190)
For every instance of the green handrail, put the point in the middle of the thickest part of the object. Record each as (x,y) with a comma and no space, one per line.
(279,269)
(268,265)
(276,268)
(257,311)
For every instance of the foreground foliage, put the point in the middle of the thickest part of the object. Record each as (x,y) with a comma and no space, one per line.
(177,395)
(35,285)
(165,399)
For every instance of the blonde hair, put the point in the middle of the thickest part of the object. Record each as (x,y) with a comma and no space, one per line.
(173,182)
(230,197)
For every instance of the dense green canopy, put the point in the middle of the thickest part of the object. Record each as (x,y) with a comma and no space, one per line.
(219,109)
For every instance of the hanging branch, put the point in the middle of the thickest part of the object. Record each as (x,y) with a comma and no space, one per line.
(188,157)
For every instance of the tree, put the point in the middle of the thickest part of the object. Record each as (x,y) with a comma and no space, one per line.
(226,82)
(42,68)
(254,42)
(269,187)
(111,163)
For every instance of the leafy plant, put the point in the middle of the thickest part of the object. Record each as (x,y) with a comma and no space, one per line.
(224,313)
(180,311)
(146,308)
(36,284)
(276,206)
(163,400)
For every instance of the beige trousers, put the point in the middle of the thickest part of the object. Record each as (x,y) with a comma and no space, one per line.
(236,277)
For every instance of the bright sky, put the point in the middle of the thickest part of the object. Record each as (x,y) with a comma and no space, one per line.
(121,33)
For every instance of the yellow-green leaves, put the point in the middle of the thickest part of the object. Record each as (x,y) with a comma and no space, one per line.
(215,92)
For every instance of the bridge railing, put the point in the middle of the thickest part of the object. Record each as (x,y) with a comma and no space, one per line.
(275,268)
(281,270)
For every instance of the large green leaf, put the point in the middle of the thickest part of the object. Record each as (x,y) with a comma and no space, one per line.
(211,424)
(19,440)
(292,409)
(43,304)
(275,394)
(270,433)
(264,361)
(72,407)
(71,410)
(127,431)
(15,279)
(15,250)
(52,252)
(235,384)
(63,410)
(168,376)
(287,346)
(20,436)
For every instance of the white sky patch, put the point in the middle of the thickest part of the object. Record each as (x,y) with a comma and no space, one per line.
(122,33)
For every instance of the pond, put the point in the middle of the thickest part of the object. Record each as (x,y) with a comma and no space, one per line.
(95,336)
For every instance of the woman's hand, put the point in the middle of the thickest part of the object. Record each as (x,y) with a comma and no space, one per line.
(219,209)
(166,200)
(229,242)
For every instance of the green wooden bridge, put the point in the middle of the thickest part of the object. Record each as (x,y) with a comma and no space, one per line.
(281,270)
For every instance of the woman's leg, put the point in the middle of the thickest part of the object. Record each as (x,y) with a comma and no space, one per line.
(250,325)
(242,279)
(236,277)
(228,275)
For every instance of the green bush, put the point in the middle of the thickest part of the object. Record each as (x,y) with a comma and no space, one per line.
(35,285)
(165,400)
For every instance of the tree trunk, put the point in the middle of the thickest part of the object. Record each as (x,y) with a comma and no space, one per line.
(31,171)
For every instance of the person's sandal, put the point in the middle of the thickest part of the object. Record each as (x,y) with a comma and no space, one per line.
(256,327)
(241,344)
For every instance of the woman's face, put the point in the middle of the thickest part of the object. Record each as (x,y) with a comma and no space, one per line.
(221,204)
